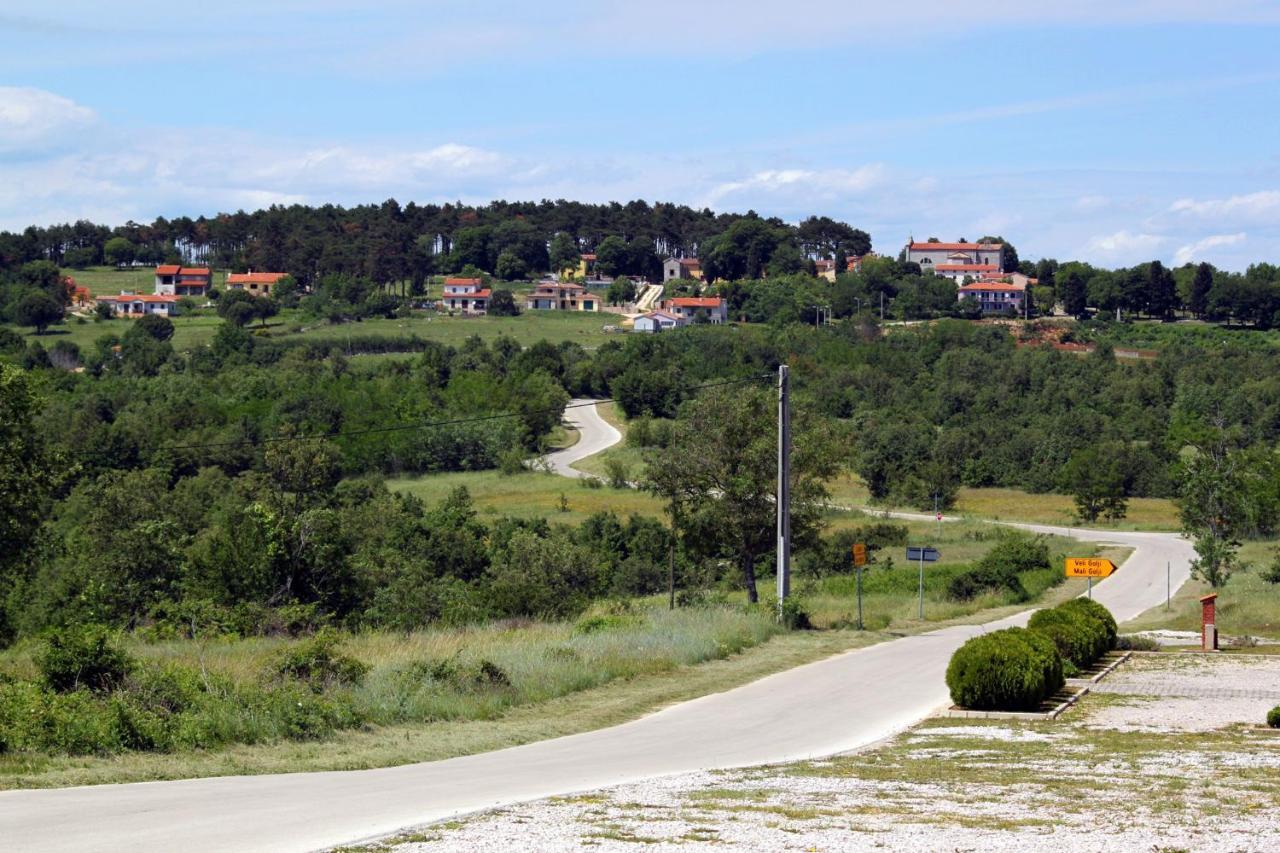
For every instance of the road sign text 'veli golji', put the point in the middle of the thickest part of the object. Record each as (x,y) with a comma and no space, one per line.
(1089,567)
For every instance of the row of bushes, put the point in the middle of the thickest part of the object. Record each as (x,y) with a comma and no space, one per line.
(1016,669)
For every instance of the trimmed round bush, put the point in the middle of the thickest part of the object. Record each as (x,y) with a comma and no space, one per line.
(1009,670)
(1273,717)
(1097,611)
(1079,637)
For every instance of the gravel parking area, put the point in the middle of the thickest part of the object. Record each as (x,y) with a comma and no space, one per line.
(1165,755)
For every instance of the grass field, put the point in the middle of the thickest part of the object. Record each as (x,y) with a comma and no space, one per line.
(196,330)
(533,494)
(1247,604)
(108,281)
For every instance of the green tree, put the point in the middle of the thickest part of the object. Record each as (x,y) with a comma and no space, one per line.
(621,291)
(510,267)
(1212,508)
(158,327)
(1095,478)
(563,252)
(502,303)
(39,310)
(1073,290)
(1162,294)
(726,442)
(237,307)
(119,252)
(1201,284)
(611,256)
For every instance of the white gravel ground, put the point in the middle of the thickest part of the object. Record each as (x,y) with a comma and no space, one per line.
(1143,765)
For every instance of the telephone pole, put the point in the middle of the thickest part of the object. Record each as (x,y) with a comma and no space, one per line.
(784,488)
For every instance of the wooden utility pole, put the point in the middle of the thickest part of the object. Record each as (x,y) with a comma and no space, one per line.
(784,488)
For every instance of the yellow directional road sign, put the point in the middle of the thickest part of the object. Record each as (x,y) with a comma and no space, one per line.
(1089,567)
(860,554)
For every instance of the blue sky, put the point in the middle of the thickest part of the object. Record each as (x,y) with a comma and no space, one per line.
(1109,131)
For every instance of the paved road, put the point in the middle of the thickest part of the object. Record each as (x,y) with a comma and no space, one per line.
(835,705)
(594,435)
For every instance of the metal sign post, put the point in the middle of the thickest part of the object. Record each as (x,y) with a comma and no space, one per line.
(784,489)
(859,560)
(922,554)
(1168,588)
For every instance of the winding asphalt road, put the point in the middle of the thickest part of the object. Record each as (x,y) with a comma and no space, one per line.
(835,705)
(594,435)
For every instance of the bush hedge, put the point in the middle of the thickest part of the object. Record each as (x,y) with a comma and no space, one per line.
(1097,611)
(1008,670)
(1080,638)
(1273,717)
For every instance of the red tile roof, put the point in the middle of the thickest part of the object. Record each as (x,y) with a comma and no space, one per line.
(697,302)
(956,247)
(203,271)
(462,281)
(588,256)
(255,277)
(690,262)
(993,287)
(167,269)
(967,267)
(139,297)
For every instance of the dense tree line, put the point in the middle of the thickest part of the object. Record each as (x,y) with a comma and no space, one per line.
(390,242)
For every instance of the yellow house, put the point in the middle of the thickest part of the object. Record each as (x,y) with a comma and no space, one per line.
(585,269)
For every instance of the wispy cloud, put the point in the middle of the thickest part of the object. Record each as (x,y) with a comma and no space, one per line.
(1123,247)
(33,120)
(1196,251)
(1265,203)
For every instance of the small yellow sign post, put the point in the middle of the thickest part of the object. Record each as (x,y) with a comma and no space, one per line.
(859,560)
(1089,567)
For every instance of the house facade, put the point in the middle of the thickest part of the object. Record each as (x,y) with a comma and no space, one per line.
(658,321)
(717,310)
(956,260)
(254,283)
(138,304)
(675,268)
(173,280)
(466,295)
(556,296)
(585,269)
(995,297)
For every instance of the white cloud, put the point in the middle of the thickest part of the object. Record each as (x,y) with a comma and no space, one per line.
(1250,206)
(1194,251)
(1122,247)
(33,120)
(788,185)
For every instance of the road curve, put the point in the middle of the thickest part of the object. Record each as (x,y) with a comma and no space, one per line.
(830,706)
(594,435)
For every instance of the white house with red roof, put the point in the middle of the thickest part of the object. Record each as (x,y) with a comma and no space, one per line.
(658,321)
(957,261)
(174,280)
(716,309)
(254,283)
(138,304)
(466,295)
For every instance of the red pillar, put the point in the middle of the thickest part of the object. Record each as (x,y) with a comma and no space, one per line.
(1209,622)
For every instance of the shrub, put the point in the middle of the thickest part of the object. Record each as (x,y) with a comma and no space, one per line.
(1009,670)
(618,473)
(83,656)
(974,581)
(1273,717)
(1136,643)
(317,663)
(1097,611)
(794,616)
(463,676)
(1079,638)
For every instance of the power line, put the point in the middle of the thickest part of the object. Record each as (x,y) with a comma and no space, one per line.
(276,439)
